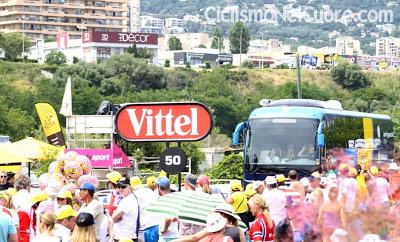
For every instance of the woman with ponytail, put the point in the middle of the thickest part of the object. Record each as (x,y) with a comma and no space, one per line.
(263,228)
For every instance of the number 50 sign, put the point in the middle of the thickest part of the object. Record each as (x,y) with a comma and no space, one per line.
(173,160)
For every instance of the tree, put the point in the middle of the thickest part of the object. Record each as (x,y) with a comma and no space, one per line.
(133,50)
(12,43)
(55,58)
(75,60)
(167,63)
(247,64)
(231,167)
(239,38)
(350,76)
(218,40)
(202,46)
(174,43)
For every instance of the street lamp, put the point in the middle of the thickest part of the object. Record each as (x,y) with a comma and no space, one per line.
(81,28)
(240,47)
(23,36)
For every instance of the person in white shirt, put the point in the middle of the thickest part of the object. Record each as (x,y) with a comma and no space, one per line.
(126,217)
(169,226)
(148,222)
(94,207)
(66,221)
(275,199)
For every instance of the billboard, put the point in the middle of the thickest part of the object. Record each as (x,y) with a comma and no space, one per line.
(120,38)
(186,121)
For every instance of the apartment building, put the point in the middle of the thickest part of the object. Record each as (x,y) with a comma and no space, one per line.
(44,19)
(348,46)
(150,24)
(173,22)
(388,47)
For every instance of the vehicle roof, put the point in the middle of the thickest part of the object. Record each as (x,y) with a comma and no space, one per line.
(307,112)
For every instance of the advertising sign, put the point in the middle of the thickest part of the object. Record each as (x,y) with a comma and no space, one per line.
(120,38)
(186,121)
(173,160)
(101,158)
(62,40)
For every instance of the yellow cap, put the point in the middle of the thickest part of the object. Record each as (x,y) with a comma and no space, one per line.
(64,194)
(353,171)
(343,166)
(135,182)
(280,178)
(236,185)
(151,181)
(38,197)
(249,186)
(125,240)
(114,177)
(249,192)
(65,211)
(11,191)
(374,170)
(162,174)
(4,196)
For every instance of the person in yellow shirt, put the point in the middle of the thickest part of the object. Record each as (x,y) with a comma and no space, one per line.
(238,200)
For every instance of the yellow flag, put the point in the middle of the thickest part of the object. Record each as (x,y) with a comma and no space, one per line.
(50,124)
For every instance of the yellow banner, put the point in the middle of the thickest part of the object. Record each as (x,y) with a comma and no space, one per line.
(50,124)
(365,155)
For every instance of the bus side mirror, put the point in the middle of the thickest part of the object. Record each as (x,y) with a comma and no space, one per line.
(321,140)
(236,134)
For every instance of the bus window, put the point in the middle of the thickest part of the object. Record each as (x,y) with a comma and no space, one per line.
(279,141)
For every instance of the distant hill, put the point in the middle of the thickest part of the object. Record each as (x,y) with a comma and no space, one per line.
(314,34)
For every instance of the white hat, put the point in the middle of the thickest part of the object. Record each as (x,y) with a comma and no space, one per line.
(339,235)
(226,209)
(257,184)
(305,182)
(270,180)
(371,238)
(393,166)
(215,222)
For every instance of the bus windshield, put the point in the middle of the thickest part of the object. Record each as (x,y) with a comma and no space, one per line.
(280,141)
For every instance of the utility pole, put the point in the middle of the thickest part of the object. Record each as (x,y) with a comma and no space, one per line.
(298,79)
(240,47)
(23,36)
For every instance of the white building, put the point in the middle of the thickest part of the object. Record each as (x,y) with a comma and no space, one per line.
(173,22)
(97,46)
(269,44)
(388,47)
(348,46)
(150,24)
(191,18)
(188,40)
(134,15)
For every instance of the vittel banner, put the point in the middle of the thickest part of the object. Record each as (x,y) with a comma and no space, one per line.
(120,37)
(189,121)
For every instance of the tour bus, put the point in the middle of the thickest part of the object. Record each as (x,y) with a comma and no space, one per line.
(310,135)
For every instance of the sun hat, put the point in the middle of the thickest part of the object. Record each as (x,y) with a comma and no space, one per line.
(257,184)
(374,170)
(338,235)
(84,220)
(270,180)
(236,185)
(203,179)
(163,182)
(64,194)
(38,197)
(114,176)
(4,196)
(191,180)
(87,186)
(65,211)
(215,222)
(315,176)
(393,166)
(280,178)
(151,181)
(135,182)
(226,209)
(249,191)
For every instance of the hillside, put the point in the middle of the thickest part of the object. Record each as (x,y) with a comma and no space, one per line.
(311,29)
